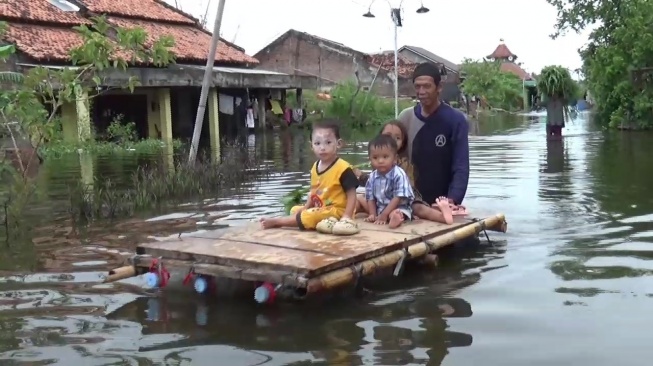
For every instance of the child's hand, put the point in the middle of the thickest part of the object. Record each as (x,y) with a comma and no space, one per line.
(370,218)
(381,220)
(357,172)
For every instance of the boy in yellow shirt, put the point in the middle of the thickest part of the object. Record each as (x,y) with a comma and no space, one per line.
(332,195)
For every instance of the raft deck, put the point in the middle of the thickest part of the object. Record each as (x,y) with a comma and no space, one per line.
(294,257)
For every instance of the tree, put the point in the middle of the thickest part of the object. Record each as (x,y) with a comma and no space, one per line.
(618,60)
(29,103)
(500,89)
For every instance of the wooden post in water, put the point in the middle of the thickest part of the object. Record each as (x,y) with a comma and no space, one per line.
(208,72)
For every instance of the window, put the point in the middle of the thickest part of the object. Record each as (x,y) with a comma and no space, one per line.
(64,5)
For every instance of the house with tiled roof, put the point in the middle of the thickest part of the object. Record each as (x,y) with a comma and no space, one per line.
(299,53)
(508,60)
(450,71)
(165,106)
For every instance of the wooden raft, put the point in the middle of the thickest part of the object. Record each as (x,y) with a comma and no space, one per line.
(306,258)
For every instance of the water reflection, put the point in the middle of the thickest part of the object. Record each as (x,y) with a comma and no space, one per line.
(555,173)
(401,321)
(580,218)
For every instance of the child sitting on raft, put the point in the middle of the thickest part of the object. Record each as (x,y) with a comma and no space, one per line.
(388,190)
(441,212)
(332,197)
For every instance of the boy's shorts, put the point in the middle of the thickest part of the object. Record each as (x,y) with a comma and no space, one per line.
(308,219)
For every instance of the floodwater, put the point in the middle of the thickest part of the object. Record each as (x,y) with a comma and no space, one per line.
(567,285)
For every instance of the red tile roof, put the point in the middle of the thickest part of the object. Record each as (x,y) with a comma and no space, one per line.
(515,69)
(38,11)
(502,51)
(43,43)
(191,44)
(49,36)
(140,9)
(387,62)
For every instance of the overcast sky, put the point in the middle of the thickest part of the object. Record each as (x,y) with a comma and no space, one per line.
(453,29)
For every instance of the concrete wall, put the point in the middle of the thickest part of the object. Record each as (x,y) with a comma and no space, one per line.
(299,54)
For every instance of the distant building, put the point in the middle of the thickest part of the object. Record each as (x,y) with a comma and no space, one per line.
(508,61)
(450,71)
(299,53)
(508,64)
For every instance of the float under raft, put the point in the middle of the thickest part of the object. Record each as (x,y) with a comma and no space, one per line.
(303,260)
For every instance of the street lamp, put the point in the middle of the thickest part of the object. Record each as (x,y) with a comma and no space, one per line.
(395,13)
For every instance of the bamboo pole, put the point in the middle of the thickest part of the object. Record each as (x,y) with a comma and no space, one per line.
(347,275)
(120,274)
(208,73)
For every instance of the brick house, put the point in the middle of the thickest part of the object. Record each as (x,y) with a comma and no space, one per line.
(165,106)
(299,53)
(451,72)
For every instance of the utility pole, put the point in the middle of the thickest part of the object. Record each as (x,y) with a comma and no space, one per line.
(208,72)
(395,13)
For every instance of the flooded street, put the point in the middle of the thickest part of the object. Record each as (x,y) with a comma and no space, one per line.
(567,285)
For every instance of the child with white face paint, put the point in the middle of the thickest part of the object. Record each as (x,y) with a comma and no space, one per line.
(332,194)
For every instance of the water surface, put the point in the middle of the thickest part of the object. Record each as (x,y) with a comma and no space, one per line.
(567,285)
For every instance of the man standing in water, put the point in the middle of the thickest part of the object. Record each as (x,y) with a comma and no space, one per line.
(438,145)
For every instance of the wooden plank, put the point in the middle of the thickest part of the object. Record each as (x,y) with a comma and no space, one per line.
(239,254)
(312,241)
(351,249)
(308,253)
(422,228)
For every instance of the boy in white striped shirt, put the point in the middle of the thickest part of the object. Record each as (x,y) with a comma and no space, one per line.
(388,192)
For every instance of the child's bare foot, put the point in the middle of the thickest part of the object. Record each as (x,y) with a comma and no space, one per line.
(444,206)
(396,219)
(270,222)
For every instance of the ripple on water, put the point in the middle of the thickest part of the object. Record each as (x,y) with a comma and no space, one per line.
(576,266)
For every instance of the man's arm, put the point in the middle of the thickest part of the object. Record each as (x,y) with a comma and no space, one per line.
(405,116)
(460,161)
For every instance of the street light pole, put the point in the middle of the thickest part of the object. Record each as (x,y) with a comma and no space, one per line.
(396,75)
(396,20)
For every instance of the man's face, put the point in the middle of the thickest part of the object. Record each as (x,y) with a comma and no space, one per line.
(426,90)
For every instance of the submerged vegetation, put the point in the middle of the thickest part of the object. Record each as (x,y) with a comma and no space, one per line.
(158,186)
(152,187)
(31,103)
(120,138)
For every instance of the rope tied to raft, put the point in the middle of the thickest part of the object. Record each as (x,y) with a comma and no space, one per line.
(399,267)
(189,276)
(484,229)
(358,274)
